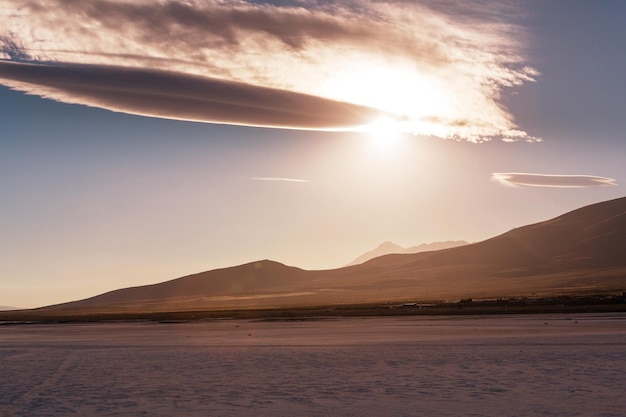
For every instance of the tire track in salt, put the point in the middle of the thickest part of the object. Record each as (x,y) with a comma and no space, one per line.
(20,403)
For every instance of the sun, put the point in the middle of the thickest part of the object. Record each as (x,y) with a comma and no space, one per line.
(385,133)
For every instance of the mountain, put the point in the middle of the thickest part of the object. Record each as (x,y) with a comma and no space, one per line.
(387,248)
(7,308)
(425,247)
(581,251)
(384,248)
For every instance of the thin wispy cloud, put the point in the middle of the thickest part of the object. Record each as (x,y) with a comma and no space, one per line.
(428,64)
(279,179)
(547,180)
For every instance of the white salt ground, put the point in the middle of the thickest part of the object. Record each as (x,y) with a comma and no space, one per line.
(549,365)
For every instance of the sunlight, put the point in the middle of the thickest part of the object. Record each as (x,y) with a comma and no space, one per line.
(397,89)
(385,133)
(415,99)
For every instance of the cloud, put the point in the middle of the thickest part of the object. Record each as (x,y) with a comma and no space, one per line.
(429,63)
(547,180)
(12,50)
(278,179)
(180,96)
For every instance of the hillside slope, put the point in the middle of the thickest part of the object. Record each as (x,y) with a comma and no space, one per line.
(581,251)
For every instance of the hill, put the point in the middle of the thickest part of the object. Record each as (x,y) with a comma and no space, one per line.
(582,251)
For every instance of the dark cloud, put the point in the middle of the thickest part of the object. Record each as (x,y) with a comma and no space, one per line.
(546,180)
(182,96)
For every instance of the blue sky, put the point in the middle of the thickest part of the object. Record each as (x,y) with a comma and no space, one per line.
(94,200)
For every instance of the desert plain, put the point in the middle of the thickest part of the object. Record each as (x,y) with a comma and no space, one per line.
(479,365)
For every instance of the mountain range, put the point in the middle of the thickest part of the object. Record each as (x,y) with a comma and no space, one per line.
(387,248)
(578,252)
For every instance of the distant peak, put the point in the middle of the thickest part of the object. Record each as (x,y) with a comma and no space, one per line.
(387,248)
(389,245)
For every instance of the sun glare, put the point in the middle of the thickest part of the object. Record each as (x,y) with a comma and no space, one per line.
(396,89)
(417,102)
(385,133)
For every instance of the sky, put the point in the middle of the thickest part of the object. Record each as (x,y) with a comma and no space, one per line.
(142,141)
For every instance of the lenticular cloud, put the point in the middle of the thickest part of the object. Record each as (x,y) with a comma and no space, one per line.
(186,97)
(307,65)
(546,180)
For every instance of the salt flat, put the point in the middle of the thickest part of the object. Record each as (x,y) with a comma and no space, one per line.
(534,365)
